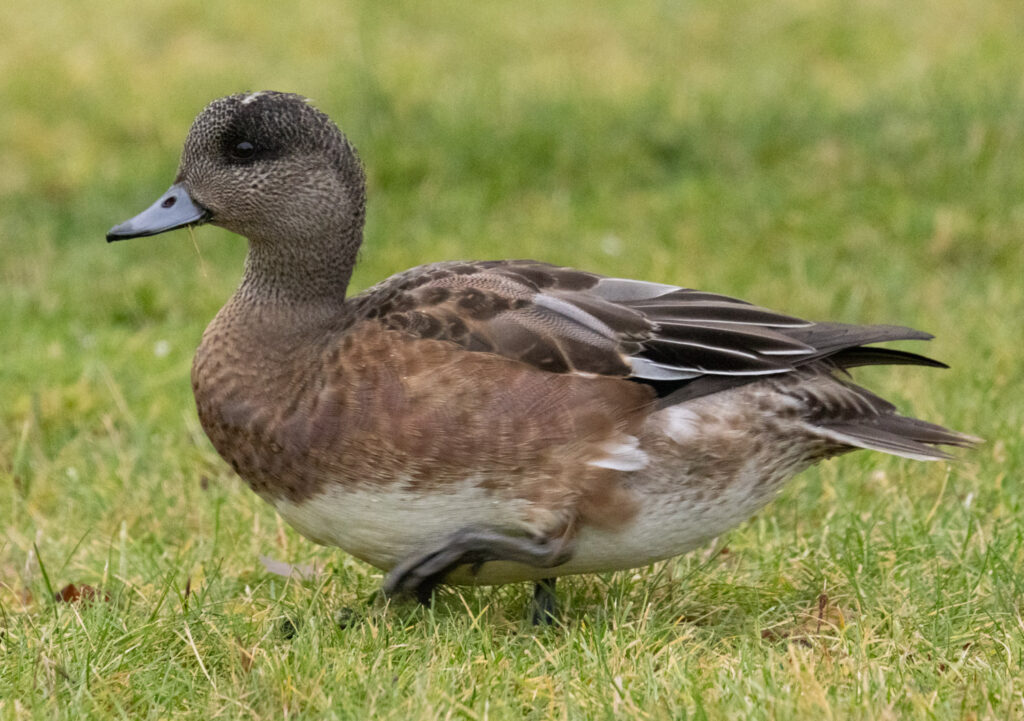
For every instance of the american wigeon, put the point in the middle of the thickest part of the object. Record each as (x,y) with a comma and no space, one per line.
(499,421)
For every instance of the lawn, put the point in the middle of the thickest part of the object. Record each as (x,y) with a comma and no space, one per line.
(861,162)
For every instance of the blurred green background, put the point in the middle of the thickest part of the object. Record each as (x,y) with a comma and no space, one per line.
(859,162)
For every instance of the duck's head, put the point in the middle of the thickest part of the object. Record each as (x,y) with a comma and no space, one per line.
(266,165)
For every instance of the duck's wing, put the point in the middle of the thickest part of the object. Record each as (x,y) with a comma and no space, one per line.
(569,321)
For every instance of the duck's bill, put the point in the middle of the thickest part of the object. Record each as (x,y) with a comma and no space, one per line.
(173,209)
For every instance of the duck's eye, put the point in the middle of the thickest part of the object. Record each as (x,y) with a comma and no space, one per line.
(243,150)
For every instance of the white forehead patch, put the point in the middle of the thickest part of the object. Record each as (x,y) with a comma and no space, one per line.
(251,96)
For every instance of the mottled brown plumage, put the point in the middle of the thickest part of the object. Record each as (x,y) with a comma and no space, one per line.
(485,422)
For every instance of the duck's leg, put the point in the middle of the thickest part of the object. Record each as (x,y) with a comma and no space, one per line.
(544,607)
(421,572)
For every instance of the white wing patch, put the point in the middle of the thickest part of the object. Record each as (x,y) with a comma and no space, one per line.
(622,453)
(644,368)
(681,424)
(251,96)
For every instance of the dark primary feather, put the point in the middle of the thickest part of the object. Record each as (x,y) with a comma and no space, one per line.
(868,356)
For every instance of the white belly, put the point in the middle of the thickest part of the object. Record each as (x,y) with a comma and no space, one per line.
(384,526)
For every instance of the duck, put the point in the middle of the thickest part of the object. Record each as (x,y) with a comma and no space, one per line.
(500,421)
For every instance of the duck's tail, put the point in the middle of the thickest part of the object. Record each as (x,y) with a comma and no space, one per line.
(853,416)
(900,436)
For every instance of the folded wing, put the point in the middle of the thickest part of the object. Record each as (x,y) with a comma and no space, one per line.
(563,320)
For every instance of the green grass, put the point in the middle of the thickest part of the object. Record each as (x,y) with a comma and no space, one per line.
(850,161)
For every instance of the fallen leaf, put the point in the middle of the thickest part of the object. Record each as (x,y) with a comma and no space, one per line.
(73,594)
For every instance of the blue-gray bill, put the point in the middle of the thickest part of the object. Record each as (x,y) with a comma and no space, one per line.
(174,209)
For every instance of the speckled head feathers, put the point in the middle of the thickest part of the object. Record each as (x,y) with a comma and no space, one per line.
(270,166)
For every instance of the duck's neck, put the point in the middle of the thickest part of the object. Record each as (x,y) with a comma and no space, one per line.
(302,277)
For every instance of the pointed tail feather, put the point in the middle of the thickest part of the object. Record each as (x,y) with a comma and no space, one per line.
(900,436)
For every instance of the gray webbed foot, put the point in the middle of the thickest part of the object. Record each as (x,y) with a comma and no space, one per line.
(420,573)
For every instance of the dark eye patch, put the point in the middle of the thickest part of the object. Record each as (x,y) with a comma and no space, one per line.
(249,138)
